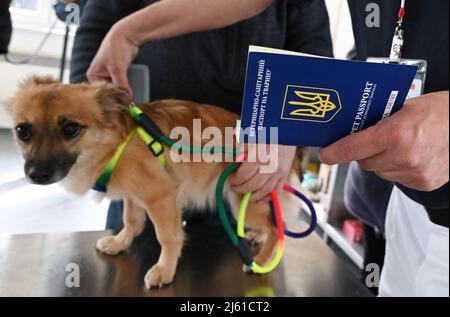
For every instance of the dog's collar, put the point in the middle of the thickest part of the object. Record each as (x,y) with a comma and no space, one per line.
(153,144)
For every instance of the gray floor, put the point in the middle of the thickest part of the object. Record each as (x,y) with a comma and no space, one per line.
(26,208)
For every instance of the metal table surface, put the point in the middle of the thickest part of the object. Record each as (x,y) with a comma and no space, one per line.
(35,265)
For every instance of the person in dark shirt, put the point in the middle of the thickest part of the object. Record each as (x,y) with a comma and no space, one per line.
(426,37)
(400,183)
(186,62)
(367,195)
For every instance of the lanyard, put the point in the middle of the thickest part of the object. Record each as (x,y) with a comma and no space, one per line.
(398,39)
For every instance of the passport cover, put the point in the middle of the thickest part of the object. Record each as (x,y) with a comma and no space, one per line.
(297,99)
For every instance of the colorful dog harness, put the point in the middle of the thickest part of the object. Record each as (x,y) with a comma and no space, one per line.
(153,144)
(154,138)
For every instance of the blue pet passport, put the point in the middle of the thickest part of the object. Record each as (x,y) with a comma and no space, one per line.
(297,99)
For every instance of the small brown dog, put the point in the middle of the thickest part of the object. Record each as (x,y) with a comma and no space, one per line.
(68,133)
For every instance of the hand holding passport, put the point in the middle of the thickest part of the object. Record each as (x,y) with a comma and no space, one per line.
(296,99)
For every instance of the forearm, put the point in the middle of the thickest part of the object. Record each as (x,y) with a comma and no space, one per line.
(170,18)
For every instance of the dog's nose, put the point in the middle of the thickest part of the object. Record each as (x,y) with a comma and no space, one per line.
(41,175)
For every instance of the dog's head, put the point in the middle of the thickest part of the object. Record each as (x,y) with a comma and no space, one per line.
(56,124)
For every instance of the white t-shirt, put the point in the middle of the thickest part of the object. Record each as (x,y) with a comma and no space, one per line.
(417,251)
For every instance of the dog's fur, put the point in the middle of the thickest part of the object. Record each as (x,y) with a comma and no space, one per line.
(145,186)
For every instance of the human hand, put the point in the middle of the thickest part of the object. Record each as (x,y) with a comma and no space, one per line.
(410,148)
(250,178)
(114,57)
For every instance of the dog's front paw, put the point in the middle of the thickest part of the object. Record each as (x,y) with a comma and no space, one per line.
(158,276)
(246,268)
(110,245)
(255,236)
(256,240)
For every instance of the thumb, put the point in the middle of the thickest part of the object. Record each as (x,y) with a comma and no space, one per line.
(92,75)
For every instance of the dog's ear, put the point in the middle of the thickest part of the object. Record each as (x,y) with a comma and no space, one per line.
(111,97)
(112,100)
(36,80)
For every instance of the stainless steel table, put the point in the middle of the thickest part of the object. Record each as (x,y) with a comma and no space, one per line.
(35,265)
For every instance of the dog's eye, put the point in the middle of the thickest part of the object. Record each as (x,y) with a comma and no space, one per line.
(23,132)
(71,130)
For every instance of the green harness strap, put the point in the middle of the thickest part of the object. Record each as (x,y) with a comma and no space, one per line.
(155,147)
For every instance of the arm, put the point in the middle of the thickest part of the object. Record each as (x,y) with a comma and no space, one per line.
(170,18)
(410,148)
(162,20)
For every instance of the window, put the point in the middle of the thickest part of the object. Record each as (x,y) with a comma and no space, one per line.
(26,6)
(34,15)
